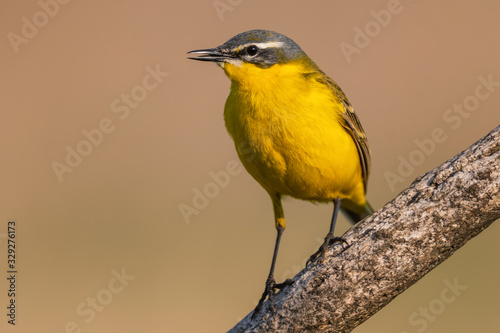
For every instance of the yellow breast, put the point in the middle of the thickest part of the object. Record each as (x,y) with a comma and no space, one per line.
(286,129)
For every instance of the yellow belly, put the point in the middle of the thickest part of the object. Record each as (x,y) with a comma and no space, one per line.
(290,140)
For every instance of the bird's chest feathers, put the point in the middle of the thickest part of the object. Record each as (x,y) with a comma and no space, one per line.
(262,111)
(271,116)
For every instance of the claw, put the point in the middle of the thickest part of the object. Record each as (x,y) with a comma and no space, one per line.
(329,241)
(269,293)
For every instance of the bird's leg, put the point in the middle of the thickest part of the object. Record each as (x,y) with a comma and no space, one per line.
(271,284)
(330,239)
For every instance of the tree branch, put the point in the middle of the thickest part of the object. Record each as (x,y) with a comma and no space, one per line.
(392,249)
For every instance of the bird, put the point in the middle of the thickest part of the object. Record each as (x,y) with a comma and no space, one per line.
(294,130)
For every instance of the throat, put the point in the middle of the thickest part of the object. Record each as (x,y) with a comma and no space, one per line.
(251,78)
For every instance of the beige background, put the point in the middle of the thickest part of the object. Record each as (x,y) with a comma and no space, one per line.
(119,208)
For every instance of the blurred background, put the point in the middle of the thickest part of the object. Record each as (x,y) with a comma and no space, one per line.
(110,141)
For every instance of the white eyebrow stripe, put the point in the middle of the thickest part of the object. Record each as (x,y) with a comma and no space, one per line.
(264,45)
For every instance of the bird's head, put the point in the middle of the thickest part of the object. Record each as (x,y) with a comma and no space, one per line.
(250,54)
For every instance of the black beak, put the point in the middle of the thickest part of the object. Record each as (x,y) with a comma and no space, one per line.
(215,55)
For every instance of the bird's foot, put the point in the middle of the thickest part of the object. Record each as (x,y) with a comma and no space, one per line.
(329,241)
(271,285)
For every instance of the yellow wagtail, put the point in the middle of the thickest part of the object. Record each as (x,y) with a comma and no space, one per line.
(293,128)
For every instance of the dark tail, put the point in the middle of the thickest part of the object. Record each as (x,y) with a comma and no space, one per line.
(355,213)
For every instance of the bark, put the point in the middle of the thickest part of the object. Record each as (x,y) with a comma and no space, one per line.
(392,249)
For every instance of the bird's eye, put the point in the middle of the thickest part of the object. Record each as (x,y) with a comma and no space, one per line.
(252,50)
